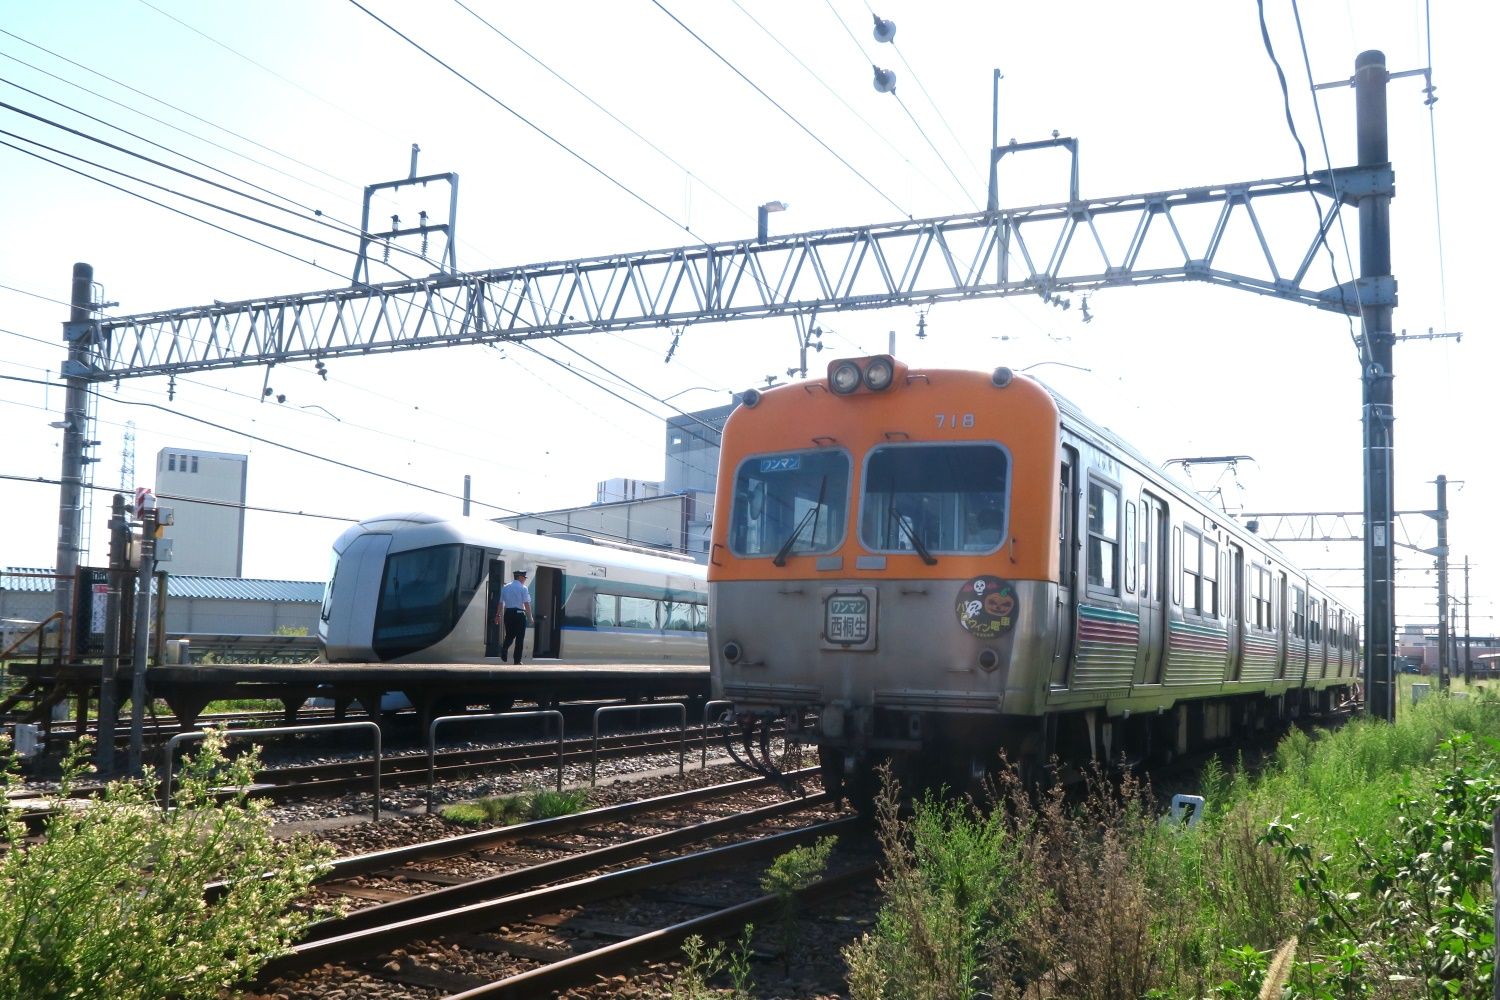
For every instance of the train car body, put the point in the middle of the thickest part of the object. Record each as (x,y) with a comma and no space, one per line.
(938,566)
(417,588)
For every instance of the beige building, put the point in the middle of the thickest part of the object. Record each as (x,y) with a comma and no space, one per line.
(208,537)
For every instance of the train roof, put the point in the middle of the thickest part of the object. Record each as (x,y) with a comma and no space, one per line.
(479,531)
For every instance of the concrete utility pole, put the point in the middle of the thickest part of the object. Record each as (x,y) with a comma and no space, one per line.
(1377,287)
(142,634)
(1445,663)
(74,428)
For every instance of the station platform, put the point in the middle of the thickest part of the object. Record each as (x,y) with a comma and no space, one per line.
(431,687)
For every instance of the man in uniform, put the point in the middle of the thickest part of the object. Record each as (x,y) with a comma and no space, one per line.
(515,602)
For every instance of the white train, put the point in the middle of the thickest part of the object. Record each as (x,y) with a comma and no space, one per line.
(418,588)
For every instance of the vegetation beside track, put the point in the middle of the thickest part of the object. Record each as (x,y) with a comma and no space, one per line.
(111,903)
(1356,864)
(524,807)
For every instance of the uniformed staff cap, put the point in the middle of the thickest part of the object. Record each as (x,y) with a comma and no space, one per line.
(519,573)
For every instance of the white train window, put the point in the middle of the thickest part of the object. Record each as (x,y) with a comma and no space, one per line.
(1104,537)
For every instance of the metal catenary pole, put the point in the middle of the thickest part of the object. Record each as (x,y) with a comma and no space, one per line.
(1375,284)
(1445,662)
(142,637)
(75,417)
(119,578)
(1468,633)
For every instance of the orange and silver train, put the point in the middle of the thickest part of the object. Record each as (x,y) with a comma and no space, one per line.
(935,567)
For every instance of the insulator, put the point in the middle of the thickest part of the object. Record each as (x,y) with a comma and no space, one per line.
(885,80)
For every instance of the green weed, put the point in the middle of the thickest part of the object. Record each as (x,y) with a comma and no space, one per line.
(523,808)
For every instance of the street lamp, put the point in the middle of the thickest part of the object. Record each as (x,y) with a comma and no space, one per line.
(761,217)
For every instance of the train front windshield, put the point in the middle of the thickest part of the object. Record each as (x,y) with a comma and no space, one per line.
(934,498)
(422,594)
(789,503)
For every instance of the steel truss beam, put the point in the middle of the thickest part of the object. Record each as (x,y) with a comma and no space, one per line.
(1046,249)
(1322,526)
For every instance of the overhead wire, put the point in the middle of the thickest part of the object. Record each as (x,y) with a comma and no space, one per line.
(170,208)
(779,107)
(739,206)
(192,176)
(915,124)
(266,69)
(35,295)
(43,480)
(528,122)
(181,111)
(1437,201)
(937,108)
(316,215)
(835,94)
(1361,348)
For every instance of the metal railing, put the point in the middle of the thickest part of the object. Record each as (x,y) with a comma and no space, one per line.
(488,716)
(708,709)
(681,725)
(180,738)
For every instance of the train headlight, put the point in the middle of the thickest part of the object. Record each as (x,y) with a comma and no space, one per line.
(844,378)
(732,652)
(1001,377)
(879,374)
(750,397)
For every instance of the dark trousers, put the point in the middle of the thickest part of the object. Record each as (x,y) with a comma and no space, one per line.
(515,628)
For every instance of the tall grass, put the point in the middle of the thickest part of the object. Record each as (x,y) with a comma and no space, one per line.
(1332,843)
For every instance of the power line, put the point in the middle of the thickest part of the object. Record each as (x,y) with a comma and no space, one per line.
(507,511)
(937,108)
(44,481)
(915,124)
(189,174)
(1360,347)
(1437,202)
(35,295)
(175,108)
(528,122)
(159,204)
(835,94)
(612,116)
(266,69)
(168,125)
(318,216)
(813,135)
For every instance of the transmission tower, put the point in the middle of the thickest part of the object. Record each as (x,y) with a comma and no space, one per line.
(127,457)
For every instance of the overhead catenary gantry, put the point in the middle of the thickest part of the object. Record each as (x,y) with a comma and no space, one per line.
(1047,250)
(1044,249)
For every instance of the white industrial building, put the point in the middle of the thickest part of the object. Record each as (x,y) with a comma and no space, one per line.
(208,537)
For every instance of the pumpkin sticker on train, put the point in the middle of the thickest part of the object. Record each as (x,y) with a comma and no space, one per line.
(987,607)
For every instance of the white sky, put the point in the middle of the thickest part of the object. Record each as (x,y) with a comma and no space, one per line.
(1162,95)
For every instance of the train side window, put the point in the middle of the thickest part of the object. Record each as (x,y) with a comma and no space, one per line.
(1260,598)
(1234,581)
(1104,537)
(1131,554)
(637,612)
(606,611)
(1299,613)
(1176,566)
(1210,582)
(1192,573)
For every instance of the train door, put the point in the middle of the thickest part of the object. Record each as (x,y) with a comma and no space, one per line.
(1154,583)
(546,608)
(1066,614)
(493,632)
(1234,586)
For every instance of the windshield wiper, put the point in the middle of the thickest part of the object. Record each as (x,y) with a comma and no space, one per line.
(916,543)
(811,515)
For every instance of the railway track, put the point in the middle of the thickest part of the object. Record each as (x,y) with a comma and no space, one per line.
(522,910)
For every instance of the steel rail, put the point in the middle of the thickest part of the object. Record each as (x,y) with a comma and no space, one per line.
(582,968)
(463,843)
(364,943)
(521,879)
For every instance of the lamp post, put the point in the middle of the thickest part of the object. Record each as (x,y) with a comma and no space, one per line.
(762,214)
